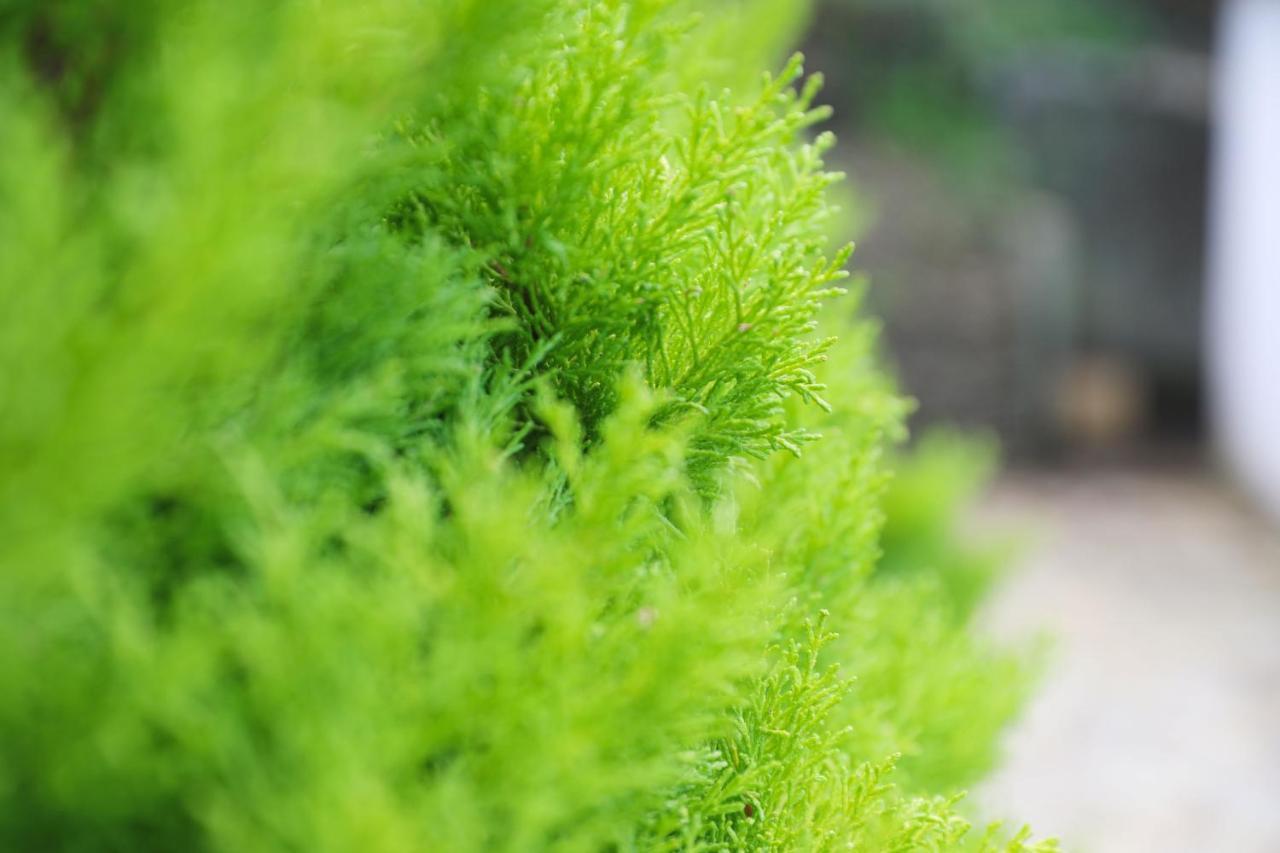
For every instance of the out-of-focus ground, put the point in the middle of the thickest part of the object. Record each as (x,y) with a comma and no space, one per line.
(1157,724)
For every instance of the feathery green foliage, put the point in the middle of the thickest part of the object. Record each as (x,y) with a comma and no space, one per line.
(389,398)
(622,222)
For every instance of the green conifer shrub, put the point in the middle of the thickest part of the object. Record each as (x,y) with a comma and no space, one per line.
(409,436)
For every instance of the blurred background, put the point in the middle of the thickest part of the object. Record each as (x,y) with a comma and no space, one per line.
(1070,218)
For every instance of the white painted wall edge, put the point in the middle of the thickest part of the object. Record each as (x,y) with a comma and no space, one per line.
(1243,305)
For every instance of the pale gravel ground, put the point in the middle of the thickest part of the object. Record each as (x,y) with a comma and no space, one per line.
(1157,725)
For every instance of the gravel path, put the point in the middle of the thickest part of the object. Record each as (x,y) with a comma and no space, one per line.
(1157,725)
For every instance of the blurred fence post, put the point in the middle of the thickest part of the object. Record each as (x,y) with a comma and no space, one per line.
(1244,304)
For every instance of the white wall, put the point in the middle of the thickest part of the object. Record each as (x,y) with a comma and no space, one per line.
(1244,286)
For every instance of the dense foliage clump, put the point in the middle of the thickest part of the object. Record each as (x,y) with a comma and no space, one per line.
(409,424)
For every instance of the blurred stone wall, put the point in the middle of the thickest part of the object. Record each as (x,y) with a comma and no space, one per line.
(1054,296)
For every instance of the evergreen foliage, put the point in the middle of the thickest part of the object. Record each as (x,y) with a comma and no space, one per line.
(391,398)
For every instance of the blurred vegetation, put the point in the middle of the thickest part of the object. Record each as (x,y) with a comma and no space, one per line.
(417,436)
(932,488)
(918,73)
